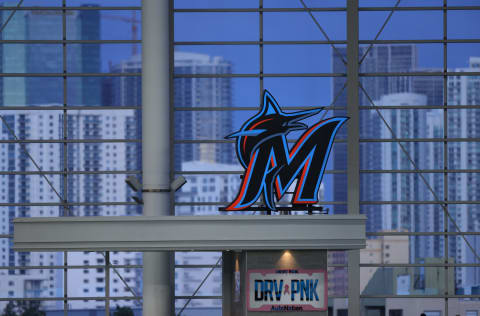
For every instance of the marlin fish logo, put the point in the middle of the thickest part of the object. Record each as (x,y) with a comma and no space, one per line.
(271,166)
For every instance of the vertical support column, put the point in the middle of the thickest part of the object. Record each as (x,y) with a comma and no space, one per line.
(66,210)
(353,151)
(107,283)
(446,269)
(158,295)
(260,46)
(227,284)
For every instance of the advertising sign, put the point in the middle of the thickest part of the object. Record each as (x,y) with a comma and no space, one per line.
(271,166)
(287,290)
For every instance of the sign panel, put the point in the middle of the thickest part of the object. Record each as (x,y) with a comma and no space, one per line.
(271,166)
(287,290)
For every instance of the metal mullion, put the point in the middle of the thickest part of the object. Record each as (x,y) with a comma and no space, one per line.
(123,266)
(71,74)
(171,105)
(419,73)
(440,202)
(414,202)
(2,173)
(227,172)
(259,75)
(362,140)
(171,146)
(317,42)
(65,284)
(226,141)
(107,283)
(69,8)
(419,107)
(233,172)
(394,233)
(419,296)
(65,151)
(326,42)
(418,140)
(74,141)
(445,155)
(6,236)
(260,48)
(426,265)
(422,41)
(231,108)
(71,107)
(420,171)
(10,41)
(75,298)
(69,204)
(259,9)
(426,8)
(258,203)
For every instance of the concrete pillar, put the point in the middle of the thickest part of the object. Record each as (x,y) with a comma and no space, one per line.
(158,283)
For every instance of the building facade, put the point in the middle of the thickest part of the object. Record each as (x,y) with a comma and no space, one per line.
(88,188)
(48,58)
(462,124)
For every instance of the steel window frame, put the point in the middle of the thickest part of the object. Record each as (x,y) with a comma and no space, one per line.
(353,173)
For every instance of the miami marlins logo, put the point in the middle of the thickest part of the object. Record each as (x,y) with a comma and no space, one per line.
(271,165)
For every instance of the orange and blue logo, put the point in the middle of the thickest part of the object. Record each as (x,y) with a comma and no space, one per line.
(271,166)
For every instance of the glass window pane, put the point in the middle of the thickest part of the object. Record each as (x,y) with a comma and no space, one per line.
(460,22)
(216,26)
(402,25)
(299,26)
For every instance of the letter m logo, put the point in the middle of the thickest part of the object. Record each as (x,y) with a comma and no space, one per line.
(271,166)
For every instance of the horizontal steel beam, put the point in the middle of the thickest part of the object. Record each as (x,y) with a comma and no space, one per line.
(76,8)
(326,9)
(418,296)
(200,233)
(233,10)
(226,141)
(237,108)
(253,10)
(334,42)
(7,107)
(248,75)
(362,140)
(229,172)
(328,108)
(70,172)
(70,298)
(394,233)
(68,42)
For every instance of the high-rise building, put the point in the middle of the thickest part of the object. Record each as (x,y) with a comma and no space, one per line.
(190,124)
(380,58)
(202,92)
(433,245)
(407,123)
(464,123)
(83,124)
(48,58)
